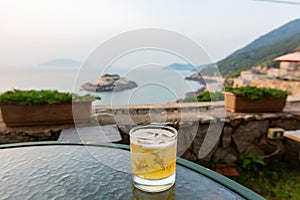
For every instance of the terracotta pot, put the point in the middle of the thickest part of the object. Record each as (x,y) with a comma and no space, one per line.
(243,104)
(46,114)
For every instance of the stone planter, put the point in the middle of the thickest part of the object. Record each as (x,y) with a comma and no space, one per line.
(46,114)
(243,104)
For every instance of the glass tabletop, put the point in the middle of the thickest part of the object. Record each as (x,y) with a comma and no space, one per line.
(91,172)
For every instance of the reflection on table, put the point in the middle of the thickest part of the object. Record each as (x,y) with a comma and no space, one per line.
(56,171)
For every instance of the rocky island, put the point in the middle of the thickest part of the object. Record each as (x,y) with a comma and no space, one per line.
(109,83)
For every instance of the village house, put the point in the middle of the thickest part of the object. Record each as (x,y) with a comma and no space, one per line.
(286,77)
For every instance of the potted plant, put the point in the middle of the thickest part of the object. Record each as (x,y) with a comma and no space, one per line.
(254,99)
(44,107)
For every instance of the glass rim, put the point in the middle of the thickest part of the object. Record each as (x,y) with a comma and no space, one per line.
(155,126)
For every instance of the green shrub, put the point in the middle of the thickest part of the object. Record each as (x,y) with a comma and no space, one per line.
(255,93)
(235,74)
(251,161)
(33,97)
(206,96)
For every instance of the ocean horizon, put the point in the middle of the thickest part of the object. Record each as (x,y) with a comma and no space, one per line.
(155,85)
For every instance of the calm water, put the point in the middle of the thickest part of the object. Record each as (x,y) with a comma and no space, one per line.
(155,85)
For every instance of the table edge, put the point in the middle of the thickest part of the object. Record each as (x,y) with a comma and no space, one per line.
(226,182)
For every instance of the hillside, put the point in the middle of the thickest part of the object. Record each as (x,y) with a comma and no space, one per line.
(62,63)
(288,30)
(283,40)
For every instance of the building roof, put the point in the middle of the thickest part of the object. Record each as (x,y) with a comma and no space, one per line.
(291,57)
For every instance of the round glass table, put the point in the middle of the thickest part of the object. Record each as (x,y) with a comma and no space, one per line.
(51,170)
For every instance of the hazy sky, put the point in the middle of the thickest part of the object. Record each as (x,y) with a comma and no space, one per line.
(35,31)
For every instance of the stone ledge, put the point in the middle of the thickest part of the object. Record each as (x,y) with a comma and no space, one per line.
(30,134)
(168,107)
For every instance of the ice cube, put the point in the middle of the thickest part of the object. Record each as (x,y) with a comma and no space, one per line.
(167,134)
(145,141)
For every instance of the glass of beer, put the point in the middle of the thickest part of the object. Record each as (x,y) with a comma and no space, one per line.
(153,157)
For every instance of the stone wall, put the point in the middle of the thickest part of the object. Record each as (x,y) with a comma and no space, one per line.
(292,86)
(240,133)
(29,134)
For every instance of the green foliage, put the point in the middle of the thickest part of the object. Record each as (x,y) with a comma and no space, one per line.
(33,97)
(273,180)
(235,74)
(255,93)
(113,76)
(251,161)
(190,99)
(110,75)
(277,180)
(206,96)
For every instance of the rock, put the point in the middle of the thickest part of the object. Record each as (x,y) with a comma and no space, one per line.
(28,134)
(124,132)
(270,115)
(225,155)
(195,94)
(189,155)
(207,140)
(288,124)
(226,137)
(123,84)
(272,122)
(109,83)
(292,150)
(246,134)
(249,117)
(196,77)
(207,119)
(204,79)
(202,130)
(259,117)
(235,122)
(186,136)
(38,133)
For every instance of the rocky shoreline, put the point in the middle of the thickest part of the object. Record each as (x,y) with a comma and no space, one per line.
(204,80)
(196,77)
(109,83)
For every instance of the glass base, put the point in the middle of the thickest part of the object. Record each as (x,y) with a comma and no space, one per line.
(154,185)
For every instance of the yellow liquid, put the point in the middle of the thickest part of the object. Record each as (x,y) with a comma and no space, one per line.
(153,163)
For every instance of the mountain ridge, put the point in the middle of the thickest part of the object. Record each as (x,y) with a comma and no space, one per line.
(263,50)
(287,30)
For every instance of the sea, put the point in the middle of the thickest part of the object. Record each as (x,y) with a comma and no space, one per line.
(155,85)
